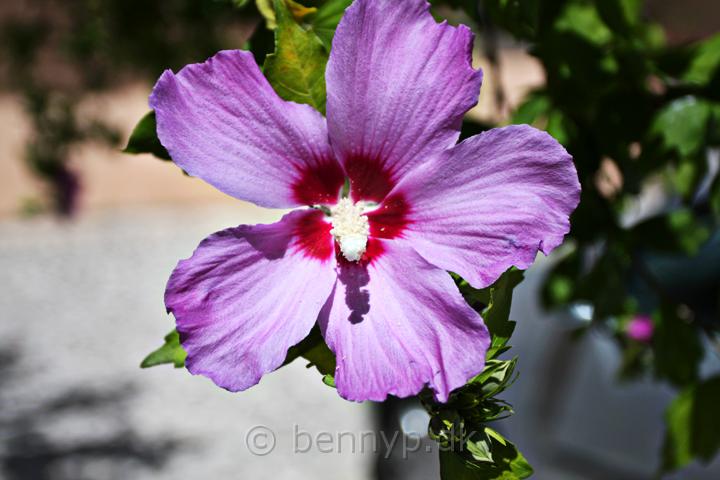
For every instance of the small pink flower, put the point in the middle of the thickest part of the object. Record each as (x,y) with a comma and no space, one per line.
(373,273)
(640,328)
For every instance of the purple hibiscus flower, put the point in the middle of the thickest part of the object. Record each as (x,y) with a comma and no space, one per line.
(373,273)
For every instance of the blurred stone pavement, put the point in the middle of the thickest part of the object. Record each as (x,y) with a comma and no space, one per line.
(81,304)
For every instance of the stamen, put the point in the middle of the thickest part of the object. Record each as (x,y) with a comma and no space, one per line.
(350,228)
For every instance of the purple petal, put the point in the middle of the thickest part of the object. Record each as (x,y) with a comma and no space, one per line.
(397,324)
(398,85)
(490,203)
(249,293)
(221,121)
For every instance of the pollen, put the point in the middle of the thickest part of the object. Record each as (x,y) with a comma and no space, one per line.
(350,229)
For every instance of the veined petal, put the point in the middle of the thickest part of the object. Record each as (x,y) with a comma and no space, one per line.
(491,202)
(393,333)
(398,85)
(221,121)
(249,293)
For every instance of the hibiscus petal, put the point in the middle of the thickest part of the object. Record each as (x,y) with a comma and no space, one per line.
(221,121)
(489,203)
(249,293)
(398,323)
(398,85)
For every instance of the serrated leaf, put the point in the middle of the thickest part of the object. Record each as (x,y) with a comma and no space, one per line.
(479,450)
(170,352)
(497,314)
(500,371)
(144,139)
(297,68)
(508,463)
(493,434)
(693,425)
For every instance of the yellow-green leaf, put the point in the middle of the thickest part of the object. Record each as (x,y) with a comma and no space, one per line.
(297,68)
(170,352)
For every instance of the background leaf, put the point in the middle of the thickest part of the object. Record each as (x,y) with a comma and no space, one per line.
(677,348)
(297,68)
(144,139)
(693,425)
(682,124)
(705,63)
(326,19)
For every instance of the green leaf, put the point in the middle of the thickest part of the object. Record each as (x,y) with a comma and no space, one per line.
(314,349)
(677,348)
(506,462)
(557,127)
(620,15)
(693,425)
(497,313)
(682,124)
(584,21)
(496,376)
(265,7)
(535,107)
(493,303)
(705,62)
(480,450)
(297,68)
(329,380)
(326,19)
(144,139)
(170,352)
(321,357)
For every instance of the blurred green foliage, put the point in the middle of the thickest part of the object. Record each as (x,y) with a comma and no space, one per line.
(641,118)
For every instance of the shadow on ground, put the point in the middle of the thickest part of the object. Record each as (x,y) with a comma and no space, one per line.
(105,448)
